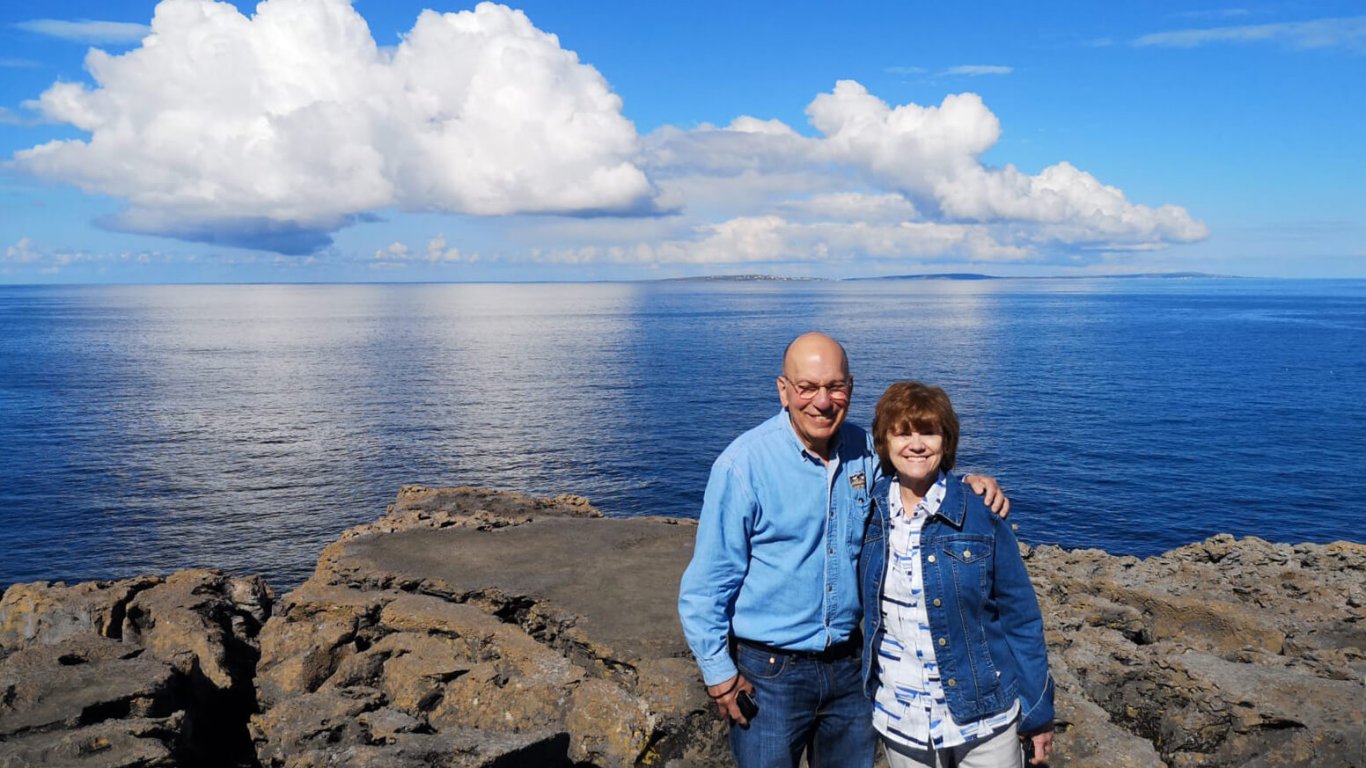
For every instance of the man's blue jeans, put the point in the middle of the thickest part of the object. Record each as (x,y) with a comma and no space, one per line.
(804,704)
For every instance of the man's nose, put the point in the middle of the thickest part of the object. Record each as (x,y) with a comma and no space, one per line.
(823,400)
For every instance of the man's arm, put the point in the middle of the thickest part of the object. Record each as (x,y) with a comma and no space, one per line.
(712,579)
(991,493)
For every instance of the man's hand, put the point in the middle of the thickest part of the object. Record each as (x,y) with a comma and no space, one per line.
(1043,746)
(724,695)
(991,493)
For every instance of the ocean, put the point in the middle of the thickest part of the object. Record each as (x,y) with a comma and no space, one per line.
(149,428)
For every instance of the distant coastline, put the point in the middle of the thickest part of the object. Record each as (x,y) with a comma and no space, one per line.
(944,276)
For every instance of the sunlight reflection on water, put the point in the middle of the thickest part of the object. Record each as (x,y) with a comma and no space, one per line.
(144,429)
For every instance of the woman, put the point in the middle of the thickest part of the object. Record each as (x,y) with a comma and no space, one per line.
(954,656)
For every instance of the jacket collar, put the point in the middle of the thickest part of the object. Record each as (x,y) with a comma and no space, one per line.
(954,508)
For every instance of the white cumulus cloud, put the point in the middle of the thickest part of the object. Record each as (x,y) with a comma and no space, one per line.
(883,182)
(21,252)
(274,130)
(907,146)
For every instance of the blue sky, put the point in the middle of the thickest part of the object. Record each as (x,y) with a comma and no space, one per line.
(320,140)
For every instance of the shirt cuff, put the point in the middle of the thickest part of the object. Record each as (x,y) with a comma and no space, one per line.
(718,670)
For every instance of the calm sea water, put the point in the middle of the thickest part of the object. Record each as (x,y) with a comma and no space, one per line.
(144,429)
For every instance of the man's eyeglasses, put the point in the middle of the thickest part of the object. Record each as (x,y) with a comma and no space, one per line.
(807,390)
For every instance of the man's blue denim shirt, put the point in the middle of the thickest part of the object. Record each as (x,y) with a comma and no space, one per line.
(778,544)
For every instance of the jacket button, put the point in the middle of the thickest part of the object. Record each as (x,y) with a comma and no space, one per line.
(938,602)
(952,682)
(967,553)
(943,641)
(930,558)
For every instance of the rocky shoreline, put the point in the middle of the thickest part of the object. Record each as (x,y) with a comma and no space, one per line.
(469,627)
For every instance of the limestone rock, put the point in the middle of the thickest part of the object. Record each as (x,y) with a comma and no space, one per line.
(496,619)
(1221,653)
(469,627)
(148,671)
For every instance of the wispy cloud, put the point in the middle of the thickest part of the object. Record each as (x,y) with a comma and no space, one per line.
(25,256)
(10,117)
(1214,13)
(975,70)
(87,30)
(1348,33)
(962,70)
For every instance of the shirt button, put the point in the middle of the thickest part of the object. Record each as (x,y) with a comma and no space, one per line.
(943,641)
(830,588)
(938,602)
(930,558)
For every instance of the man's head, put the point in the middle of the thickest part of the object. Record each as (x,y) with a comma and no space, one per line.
(814,388)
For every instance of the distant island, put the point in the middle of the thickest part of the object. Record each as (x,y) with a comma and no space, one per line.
(743,279)
(978,276)
(942,276)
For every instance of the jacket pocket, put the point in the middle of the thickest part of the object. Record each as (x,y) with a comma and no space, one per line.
(966,549)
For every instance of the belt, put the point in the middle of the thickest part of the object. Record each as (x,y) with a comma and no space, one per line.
(844,650)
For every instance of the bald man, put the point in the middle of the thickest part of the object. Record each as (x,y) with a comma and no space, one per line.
(770,603)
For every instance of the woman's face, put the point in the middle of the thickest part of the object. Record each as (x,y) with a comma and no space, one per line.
(916,456)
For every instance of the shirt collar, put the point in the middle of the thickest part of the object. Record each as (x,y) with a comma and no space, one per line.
(933,501)
(797,440)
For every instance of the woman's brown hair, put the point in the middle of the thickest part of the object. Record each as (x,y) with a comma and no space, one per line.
(911,406)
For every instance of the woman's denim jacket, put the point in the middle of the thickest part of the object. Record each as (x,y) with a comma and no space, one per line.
(984,617)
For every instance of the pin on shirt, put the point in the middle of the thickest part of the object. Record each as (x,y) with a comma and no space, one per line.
(857,481)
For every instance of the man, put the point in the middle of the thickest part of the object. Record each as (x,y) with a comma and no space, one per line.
(769,603)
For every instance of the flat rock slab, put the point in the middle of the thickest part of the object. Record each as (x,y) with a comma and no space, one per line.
(618,577)
(533,629)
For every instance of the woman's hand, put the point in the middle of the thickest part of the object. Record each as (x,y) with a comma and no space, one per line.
(1043,746)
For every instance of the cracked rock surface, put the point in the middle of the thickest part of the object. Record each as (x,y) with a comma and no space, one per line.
(1220,653)
(141,672)
(469,627)
(474,628)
